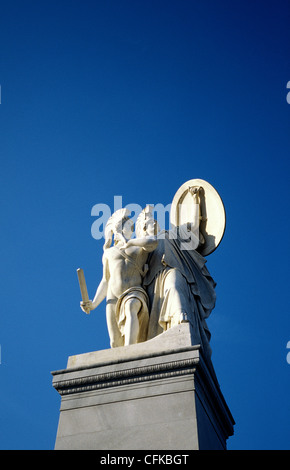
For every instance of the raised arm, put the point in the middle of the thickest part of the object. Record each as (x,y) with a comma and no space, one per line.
(147,243)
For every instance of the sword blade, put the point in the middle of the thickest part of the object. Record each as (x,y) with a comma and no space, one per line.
(83,285)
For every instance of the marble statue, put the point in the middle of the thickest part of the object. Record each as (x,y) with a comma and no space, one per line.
(123,271)
(180,289)
(159,279)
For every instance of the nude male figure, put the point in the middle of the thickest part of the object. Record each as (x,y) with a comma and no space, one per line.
(123,270)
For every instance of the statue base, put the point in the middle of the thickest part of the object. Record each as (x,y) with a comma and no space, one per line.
(154,395)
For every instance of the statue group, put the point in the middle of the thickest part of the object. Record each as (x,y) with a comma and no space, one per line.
(159,279)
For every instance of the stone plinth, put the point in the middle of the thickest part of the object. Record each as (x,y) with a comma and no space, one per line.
(154,395)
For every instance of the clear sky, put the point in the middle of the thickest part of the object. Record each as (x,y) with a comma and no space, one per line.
(133,98)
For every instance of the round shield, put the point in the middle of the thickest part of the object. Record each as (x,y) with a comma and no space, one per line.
(197,203)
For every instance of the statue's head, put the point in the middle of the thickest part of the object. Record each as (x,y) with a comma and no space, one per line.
(120,226)
(146,224)
(124,227)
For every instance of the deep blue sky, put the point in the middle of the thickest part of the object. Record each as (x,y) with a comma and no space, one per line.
(133,98)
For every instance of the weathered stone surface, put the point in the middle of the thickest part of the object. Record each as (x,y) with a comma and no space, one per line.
(154,395)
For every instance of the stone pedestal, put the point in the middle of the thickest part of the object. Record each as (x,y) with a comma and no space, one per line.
(154,395)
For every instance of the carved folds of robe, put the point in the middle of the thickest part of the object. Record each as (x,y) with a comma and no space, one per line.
(180,288)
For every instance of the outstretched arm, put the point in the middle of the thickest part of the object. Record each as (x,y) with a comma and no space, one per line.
(147,243)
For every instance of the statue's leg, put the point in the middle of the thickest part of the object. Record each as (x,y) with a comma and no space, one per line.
(132,308)
(116,338)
